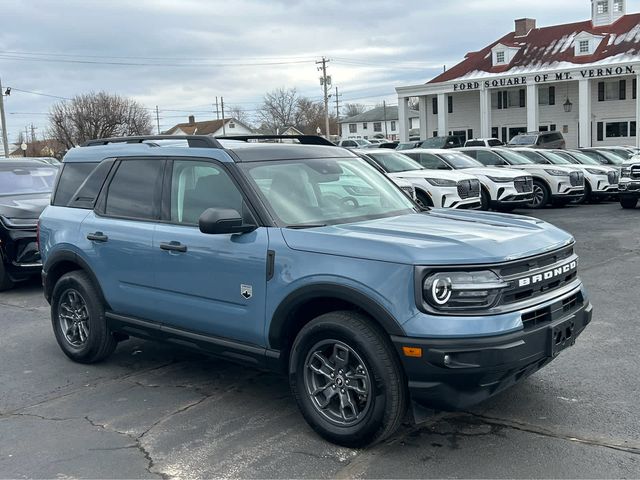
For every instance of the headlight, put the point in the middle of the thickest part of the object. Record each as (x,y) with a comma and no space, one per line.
(500,179)
(593,171)
(441,182)
(625,172)
(557,173)
(459,291)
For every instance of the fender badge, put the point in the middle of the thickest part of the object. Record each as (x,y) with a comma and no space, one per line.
(246,291)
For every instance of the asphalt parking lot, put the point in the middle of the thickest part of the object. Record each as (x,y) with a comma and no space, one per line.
(155,411)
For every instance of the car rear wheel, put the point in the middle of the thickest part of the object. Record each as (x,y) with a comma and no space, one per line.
(5,282)
(485,200)
(628,202)
(541,195)
(79,324)
(347,379)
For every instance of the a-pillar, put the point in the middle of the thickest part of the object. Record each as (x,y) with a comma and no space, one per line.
(584,113)
(403,118)
(443,114)
(533,123)
(485,113)
(422,112)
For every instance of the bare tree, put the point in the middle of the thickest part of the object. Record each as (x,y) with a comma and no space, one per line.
(310,116)
(279,110)
(353,109)
(97,115)
(238,113)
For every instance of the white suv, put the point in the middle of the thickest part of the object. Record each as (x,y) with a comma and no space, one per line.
(433,188)
(551,184)
(601,181)
(630,182)
(484,142)
(353,143)
(501,189)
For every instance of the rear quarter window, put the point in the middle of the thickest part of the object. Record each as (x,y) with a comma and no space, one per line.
(71,177)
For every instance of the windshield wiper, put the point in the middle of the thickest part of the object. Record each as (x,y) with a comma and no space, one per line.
(302,226)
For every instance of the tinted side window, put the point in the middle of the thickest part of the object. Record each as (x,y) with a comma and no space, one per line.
(488,158)
(87,194)
(474,143)
(134,189)
(71,177)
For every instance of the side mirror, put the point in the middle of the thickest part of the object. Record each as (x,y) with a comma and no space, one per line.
(218,221)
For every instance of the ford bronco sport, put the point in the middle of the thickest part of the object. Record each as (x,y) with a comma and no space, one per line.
(307,260)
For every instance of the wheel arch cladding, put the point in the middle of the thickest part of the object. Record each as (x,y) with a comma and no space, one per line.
(63,262)
(311,301)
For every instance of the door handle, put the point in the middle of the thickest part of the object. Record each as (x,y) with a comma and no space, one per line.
(97,237)
(173,247)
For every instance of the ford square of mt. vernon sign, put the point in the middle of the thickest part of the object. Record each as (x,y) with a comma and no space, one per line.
(545,77)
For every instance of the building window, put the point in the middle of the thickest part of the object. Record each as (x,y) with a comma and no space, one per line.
(603,7)
(364,126)
(353,128)
(434,105)
(618,6)
(517,98)
(632,129)
(377,126)
(614,90)
(583,47)
(547,95)
(494,132)
(232,125)
(617,129)
(499,57)
(450,104)
(393,125)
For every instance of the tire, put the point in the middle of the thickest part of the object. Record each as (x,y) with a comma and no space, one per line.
(587,197)
(332,350)
(485,200)
(81,330)
(541,195)
(423,199)
(506,208)
(628,202)
(5,282)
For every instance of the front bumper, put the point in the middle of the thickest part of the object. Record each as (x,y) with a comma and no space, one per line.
(629,189)
(19,252)
(453,374)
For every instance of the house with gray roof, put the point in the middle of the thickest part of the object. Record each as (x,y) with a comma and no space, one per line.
(380,122)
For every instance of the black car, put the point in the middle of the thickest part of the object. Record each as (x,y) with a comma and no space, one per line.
(25,189)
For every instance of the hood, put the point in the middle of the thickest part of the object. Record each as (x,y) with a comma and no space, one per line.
(536,167)
(443,174)
(605,170)
(23,206)
(435,237)
(494,172)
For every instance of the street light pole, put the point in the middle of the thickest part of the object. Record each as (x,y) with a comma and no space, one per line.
(5,141)
(325,84)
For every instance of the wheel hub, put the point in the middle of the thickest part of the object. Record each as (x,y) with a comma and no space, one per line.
(73,318)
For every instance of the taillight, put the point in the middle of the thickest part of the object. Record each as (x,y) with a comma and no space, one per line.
(38,234)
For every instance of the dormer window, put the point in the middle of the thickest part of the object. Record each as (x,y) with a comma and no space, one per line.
(602,7)
(500,57)
(618,6)
(584,47)
(586,43)
(503,54)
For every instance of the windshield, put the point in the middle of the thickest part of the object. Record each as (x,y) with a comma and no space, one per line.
(615,159)
(395,162)
(623,154)
(363,142)
(328,191)
(580,157)
(555,158)
(434,142)
(513,158)
(26,179)
(460,160)
(523,140)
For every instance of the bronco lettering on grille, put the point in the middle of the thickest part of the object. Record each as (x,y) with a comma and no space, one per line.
(548,275)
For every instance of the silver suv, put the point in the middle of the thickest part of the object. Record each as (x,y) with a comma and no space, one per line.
(538,140)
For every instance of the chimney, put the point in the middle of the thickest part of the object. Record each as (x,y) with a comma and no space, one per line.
(192,120)
(524,26)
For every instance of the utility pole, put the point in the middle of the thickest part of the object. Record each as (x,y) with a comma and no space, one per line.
(33,133)
(338,95)
(384,115)
(217,111)
(224,129)
(325,81)
(158,119)
(5,141)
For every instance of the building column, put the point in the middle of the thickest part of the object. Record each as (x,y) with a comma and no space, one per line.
(638,114)
(443,114)
(533,120)
(403,118)
(422,111)
(584,113)
(485,113)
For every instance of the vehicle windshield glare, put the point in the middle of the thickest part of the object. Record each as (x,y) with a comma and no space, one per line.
(556,159)
(612,157)
(309,193)
(395,162)
(514,158)
(460,160)
(26,179)
(523,140)
(581,158)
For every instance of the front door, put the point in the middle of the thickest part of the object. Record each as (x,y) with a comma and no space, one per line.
(210,284)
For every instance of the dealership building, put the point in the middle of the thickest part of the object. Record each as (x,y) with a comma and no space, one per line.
(578,78)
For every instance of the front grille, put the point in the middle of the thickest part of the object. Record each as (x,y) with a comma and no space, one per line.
(548,314)
(523,184)
(539,275)
(468,188)
(612,176)
(635,172)
(576,179)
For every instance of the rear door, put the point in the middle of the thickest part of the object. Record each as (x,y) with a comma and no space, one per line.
(210,284)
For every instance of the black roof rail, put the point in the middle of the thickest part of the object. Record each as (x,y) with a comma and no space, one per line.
(194,141)
(302,139)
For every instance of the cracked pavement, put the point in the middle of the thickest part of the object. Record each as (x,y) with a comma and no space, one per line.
(155,411)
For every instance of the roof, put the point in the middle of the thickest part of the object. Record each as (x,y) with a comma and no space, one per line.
(552,47)
(205,127)
(378,115)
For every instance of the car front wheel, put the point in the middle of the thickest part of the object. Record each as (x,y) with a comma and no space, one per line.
(540,195)
(5,282)
(628,202)
(79,324)
(347,380)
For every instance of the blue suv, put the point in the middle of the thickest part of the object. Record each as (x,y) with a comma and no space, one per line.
(306,260)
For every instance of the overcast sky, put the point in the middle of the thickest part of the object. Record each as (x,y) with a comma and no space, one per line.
(181,54)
